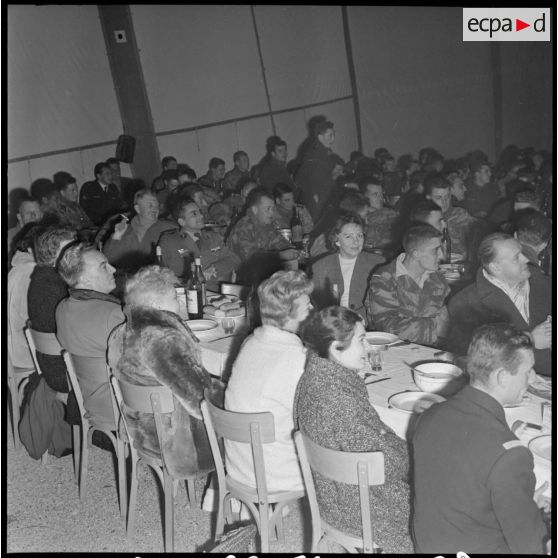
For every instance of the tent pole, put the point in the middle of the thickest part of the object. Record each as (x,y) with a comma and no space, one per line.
(352,74)
(497,97)
(263,70)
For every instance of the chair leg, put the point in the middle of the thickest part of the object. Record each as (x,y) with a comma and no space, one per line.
(192,498)
(76,449)
(169,512)
(122,484)
(14,397)
(83,462)
(279,524)
(263,510)
(132,501)
(220,523)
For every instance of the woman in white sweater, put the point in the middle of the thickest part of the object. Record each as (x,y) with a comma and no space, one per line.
(264,378)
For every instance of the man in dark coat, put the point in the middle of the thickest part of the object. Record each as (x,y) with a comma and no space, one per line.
(474,481)
(100,198)
(507,289)
(314,177)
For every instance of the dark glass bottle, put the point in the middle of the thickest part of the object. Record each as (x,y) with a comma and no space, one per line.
(201,278)
(194,295)
(296,228)
(446,245)
(159,255)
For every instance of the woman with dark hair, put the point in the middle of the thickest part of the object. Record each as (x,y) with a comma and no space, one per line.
(333,409)
(348,267)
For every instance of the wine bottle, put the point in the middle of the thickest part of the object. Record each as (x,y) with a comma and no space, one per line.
(194,295)
(201,278)
(159,255)
(446,245)
(296,228)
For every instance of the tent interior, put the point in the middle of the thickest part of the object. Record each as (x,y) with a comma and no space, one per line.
(202,81)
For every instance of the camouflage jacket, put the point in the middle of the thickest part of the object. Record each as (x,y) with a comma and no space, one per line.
(380,226)
(283,218)
(178,248)
(397,304)
(249,236)
(231,178)
(459,222)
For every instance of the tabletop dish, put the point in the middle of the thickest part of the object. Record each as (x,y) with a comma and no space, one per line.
(438,376)
(380,338)
(201,326)
(414,401)
(541,446)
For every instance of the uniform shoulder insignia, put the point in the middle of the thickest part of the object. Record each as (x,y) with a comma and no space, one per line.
(513,444)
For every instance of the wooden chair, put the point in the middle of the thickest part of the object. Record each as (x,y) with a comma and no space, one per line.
(254,429)
(156,400)
(17,379)
(361,469)
(47,344)
(83,437)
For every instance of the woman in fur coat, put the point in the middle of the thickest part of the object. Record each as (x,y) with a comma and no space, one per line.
(155,347)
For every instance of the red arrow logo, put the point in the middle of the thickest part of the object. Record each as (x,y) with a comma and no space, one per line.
(519,25)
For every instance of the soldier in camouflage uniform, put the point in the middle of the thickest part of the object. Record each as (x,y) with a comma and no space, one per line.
(407,296)
(380,220)
(255,231)
(284,204)
(459,221)
(180,246)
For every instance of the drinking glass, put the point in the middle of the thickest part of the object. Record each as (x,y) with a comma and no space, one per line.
(228,325)
(375,359)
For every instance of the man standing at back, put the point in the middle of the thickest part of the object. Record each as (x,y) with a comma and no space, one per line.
(474,481)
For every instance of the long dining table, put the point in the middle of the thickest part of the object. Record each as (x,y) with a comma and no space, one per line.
(219,349)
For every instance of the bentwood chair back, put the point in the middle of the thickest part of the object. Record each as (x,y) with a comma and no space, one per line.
(360,469)
(47,344)
(17,379)
(83,436)
(254,429)
(156,400)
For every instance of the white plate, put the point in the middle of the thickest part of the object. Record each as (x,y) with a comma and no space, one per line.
(198,326)
(541,446)
(378,338)
(414,401)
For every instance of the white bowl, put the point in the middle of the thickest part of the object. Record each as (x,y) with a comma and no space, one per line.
(439,377)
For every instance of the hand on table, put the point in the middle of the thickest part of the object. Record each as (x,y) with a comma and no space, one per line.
(542,334)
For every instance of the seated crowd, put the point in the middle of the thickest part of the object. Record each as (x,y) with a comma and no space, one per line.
(328,250)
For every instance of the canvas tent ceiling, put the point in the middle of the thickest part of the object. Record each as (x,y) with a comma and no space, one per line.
(222,78)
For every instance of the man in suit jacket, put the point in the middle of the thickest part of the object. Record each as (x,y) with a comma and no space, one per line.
(473,479)
(507,289)
(100,198)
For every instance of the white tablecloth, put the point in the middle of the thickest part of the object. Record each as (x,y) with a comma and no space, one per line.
(401,379)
